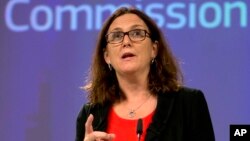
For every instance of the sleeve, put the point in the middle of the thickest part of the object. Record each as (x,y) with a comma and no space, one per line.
(201,124)
(80,122)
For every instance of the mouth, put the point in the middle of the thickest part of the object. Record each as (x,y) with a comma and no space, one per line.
(127,55)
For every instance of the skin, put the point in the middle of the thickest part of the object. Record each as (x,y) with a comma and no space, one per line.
(144,51)
(131,72)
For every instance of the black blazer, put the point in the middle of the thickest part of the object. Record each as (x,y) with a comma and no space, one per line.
(179,116)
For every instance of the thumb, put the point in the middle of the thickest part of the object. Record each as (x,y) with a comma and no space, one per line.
(88,125)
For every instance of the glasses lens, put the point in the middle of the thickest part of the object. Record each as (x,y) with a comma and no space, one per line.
(115,37)
(137,34)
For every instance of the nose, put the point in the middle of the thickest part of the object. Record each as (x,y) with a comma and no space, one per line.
(126,41)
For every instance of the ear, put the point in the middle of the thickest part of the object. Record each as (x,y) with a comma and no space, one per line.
(155,49)
(106,56)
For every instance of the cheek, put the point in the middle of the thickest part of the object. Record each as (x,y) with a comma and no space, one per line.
(148,51)
(113,55)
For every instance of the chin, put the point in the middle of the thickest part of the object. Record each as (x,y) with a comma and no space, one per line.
(128,70)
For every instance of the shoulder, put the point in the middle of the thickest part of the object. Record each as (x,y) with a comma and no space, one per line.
(187,109)
(188,93)
(191,100)
(183,92)
(90,108)
(185,97)
(195,109)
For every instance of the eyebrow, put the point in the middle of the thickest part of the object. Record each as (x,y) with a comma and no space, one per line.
(132,27)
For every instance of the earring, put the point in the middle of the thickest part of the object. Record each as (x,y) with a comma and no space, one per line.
(153,61)
(110,67)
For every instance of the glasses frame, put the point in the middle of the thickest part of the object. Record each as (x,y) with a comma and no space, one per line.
(127,33)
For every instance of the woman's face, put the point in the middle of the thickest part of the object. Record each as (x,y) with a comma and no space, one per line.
(129,57)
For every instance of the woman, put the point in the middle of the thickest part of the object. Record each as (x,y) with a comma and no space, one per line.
(135,76)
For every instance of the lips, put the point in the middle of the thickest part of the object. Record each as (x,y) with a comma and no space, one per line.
(127,55)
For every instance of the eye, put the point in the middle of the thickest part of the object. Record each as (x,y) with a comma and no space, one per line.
(116,35)
(137,33)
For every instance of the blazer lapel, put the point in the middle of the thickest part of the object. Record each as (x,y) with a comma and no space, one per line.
(100,119)
(160,119)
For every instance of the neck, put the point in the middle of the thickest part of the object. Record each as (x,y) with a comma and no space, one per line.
(134,87)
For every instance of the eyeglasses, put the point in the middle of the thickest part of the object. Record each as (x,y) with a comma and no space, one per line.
(134,35)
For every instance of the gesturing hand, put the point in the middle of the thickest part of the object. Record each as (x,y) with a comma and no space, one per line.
(91,135)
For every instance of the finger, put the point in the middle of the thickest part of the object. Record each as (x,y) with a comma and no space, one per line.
(88,125)
(103,136)
(99,136)
(112,136)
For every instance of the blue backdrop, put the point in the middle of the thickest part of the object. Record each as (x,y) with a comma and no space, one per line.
(46,47)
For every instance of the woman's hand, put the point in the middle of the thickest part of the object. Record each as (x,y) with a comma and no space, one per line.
(91,135)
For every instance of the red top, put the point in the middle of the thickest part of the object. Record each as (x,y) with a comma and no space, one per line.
(125,129)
